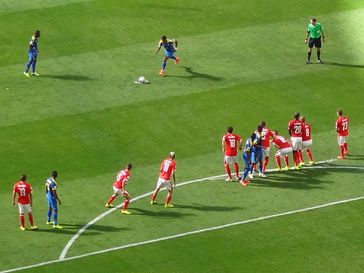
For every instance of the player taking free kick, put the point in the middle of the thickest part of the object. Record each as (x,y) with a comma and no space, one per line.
(230,144)
(119,189)
(167,170)
(170,47)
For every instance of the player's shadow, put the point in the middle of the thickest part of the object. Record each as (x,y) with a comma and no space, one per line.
(92,230)
(355,157)
(68,77)
(201,207)
(344,65)
(167,213)
(194,75)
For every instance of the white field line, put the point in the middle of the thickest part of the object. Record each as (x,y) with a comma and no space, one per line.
(262,218)
(102,215)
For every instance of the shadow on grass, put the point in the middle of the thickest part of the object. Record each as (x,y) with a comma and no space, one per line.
(72,228)
(344,65)
(201,207)
(355,157)
(167,213)
(67,77)
(194,74)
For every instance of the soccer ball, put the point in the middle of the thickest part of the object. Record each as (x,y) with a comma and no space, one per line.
(141,79)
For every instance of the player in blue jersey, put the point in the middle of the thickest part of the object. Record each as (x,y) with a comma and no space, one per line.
(53,200)
(247,159)
(170,47)
(32,54)
(257,153)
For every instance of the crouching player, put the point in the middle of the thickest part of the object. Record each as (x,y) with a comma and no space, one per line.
(284,148)
(170,47)
(119,189)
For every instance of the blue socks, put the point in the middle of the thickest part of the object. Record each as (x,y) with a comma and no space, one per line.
(164,64)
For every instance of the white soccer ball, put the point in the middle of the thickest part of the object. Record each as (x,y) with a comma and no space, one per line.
(141,79)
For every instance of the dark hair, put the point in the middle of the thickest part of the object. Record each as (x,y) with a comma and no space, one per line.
(262,123)
(340,112)
(230,129)
(296,115)
(54,174)
(260,128)
(252,137)
(313,19)
(23,177)
(164,37)
(129,166)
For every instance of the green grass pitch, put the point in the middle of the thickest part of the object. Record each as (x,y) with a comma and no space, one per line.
(241,62)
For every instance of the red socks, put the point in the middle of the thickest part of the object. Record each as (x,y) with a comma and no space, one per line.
(309,154)
(286,160)
(346,148)
(168,199)
(265,163)
(126,204)
(278,161)
(236,167)
(111,199)
(30,219)
(228,171)
(21,218)
(342,150)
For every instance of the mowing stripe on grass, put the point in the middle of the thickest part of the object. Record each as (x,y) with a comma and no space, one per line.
(193,232)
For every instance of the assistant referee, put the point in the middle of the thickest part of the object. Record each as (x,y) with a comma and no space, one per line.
(313,38)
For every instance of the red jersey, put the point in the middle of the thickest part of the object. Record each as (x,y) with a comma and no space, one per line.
(231,144)
(295,128)
(281,143)
(306,132)
(23,189)
(266,135)
(122,179)
(342,126)
(168,167)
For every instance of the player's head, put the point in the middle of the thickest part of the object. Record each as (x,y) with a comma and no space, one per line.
(263,123)
(339,113)
(172,155)
(313,20)
(54,174)
(164,38)
(296,115)
(129,166)
(303,119)
(37,33)
(23,177)
(260,128)
(252,137)
(230,129)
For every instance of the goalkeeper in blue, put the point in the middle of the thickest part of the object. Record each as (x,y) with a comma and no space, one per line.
(170,47)
(32,55)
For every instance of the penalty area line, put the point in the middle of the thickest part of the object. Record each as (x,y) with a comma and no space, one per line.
(262,218)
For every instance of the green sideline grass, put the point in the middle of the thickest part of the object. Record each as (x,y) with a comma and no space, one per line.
(241,62)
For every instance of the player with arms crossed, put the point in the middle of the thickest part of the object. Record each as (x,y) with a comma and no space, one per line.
(295,131)
(119,189)
(284,148)
(166,171)
(53,200)
(170,47)
(25,201)
(32,54)
(313,38)
(342,129)
(266,136)
(230,144)
(306,141)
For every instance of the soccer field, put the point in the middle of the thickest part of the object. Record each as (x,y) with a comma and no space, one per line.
(241,62)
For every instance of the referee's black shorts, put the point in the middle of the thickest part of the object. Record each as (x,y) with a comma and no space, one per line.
(314,42)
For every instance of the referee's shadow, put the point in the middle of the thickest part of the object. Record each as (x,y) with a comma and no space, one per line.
(344,65)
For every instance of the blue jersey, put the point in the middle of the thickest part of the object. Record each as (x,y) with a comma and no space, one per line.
(51,185)
(248,146)
(168,46)
(257,142)
(33,45)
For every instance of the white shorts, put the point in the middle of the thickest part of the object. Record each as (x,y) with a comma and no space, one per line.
(24,208)
(230,159)
(120,191)
(341,140)
(306,144)
(284,152)
(164,183)
(296,143)
(266,152)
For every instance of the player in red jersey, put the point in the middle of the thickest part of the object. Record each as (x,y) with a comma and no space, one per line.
(119,189)
(295,131)
(25,201)
(266,136)
(230,144)
(166,171)
(284,148)
(306,141)
(342,129)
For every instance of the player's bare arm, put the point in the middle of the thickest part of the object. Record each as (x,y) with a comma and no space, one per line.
(223,146)
(13,199)
(31,199)
(308,35)
(56,196)
(176,43)
(240,147)
(159,48)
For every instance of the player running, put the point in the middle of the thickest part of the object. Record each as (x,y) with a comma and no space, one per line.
(266,136)
(246,158)
(257,153)
(284,148)
(170,47)
(342,129)
(25,201)
(119,189)
(306,141)
(230,144)
(53,200)
(166,171)
(295,131)
(32,54)
(313,38)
